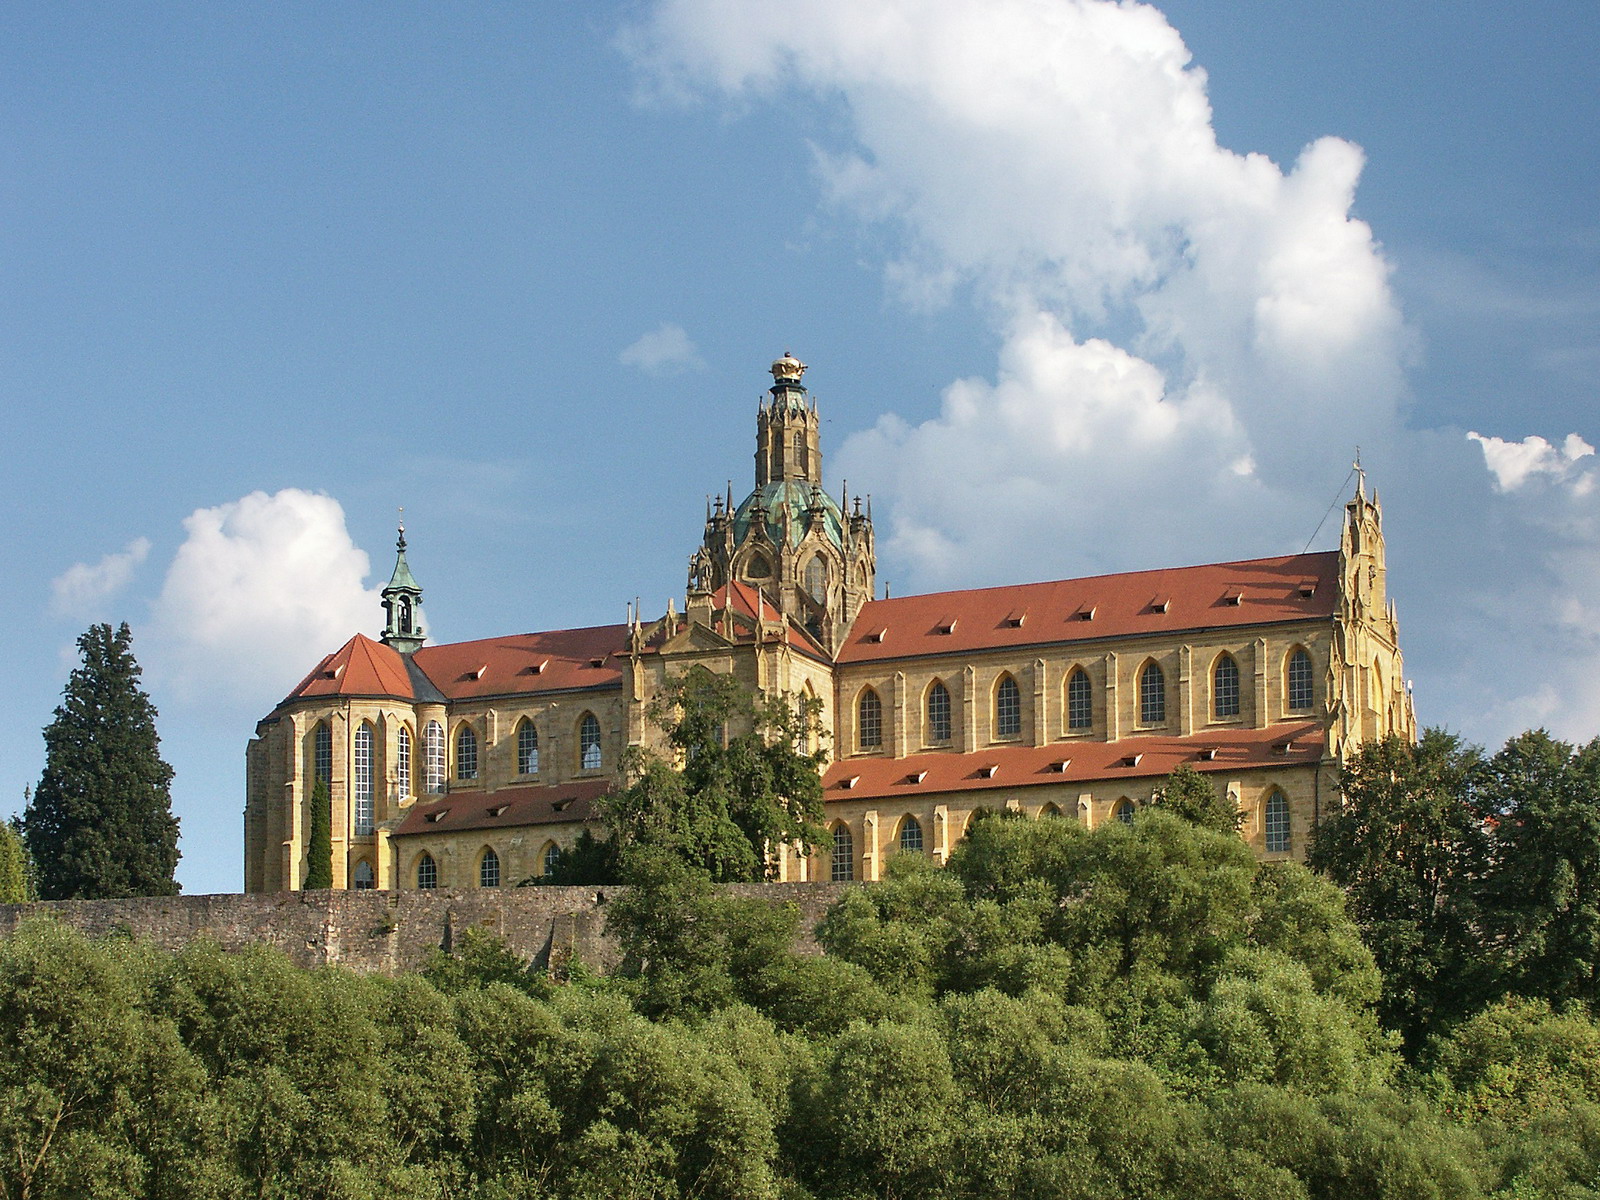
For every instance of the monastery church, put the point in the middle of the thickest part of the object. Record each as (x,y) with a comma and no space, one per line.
(473,764)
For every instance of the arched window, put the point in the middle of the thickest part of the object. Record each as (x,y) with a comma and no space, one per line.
(800,452)
(938,713)
(1123,811)
(817,579)
(1276,823)
(361,779)
(1225,688)
(1080,701)
(758,567)
(1049,810)
(589,743)
(433,757)
(1299,687)
(466,753)
(427,872)
(1152,696)
(362,878)
(551,858)
(844,854)
(910,836)
(489,869)
(527,748)
(322,753)
(869,721)
(1007,708)
(405,614)
(402,761)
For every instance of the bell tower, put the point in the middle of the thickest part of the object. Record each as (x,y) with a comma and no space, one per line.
(813,559)
(402,604)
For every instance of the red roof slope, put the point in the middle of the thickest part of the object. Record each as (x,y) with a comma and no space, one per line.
(526,663)
(361,667)
(1027,766)
(1166,601)
(535,804)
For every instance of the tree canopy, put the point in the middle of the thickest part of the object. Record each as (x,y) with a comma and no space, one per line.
(100,823)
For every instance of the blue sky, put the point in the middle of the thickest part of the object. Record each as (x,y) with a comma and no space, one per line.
(1075,293)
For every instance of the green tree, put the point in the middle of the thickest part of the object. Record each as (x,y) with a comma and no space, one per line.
(1190,795)
(740,781)
(1542,899)
(16,873)
(1410,849)
(100,824)
(319,840)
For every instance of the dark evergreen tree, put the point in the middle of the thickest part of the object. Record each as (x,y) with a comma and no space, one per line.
(319,839)
(100,824)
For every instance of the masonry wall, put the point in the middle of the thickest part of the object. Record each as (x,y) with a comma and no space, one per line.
(387,931)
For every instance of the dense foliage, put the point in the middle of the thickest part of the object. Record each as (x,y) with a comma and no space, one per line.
(1137,1010)
(100,823)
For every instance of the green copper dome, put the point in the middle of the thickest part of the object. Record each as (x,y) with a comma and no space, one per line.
(798,497)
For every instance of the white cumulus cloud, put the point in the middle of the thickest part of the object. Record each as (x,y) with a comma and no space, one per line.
(1187,333)
(665,350)
(1513,464)
(1193,340)
(83,589)
(261,588)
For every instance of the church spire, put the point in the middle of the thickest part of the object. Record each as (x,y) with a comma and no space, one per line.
(402,602)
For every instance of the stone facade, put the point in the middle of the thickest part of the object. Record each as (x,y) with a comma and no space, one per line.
(469,765)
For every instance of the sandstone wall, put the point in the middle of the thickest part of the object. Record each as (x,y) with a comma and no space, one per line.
(387,931)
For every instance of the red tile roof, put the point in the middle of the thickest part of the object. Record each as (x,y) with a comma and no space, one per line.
(526,663)
(508,808)
(1258,591)
(361,667)
(1133,758)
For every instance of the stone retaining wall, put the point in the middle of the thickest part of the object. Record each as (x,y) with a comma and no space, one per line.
(387,931)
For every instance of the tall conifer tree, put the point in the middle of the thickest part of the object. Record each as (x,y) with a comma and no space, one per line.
(100,824)
(319,843)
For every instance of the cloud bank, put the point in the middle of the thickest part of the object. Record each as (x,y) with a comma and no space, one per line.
(261,588)
(1192,341)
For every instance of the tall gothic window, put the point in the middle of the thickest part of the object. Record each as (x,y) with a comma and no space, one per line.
(527,748)
(489,869)
(589,743)
(552,858)
(466,753)
(402,761)
(433,757)
(938,713)
(1299,684)
(1007,709)
(869,721)
(1152,696)
(1080,701)
(911,836)
(1123,812)
(1225,688)
(363,878)
(844,854)
(427,872)
(817,579)
(322,753)
(361,779)
(1277,823)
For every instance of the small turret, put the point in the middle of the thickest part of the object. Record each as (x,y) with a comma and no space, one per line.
(402,604)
